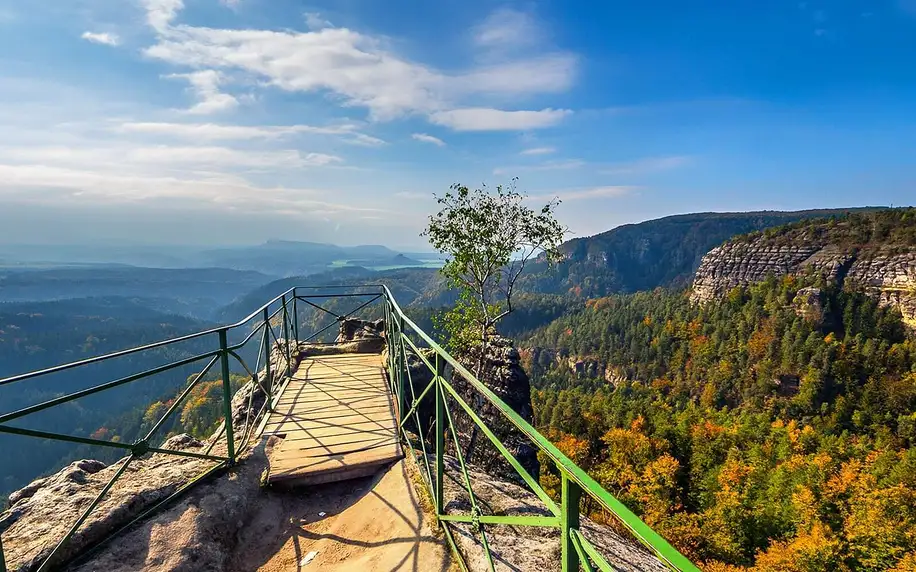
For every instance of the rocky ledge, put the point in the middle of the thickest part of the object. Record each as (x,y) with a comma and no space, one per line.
(888,273)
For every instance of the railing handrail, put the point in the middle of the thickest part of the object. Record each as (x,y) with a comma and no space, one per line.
(169,341)
(641,530)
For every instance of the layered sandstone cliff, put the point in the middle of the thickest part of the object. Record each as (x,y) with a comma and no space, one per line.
(884,270)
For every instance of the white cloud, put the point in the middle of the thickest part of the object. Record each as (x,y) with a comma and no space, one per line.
(614,191)
(485,119)
(538,151)
(63,185)
(366,140)
(557,165)
(649,165)
(205,85)
(507,28)
(101,38)
(233,4)
(214,131)
(314,21)
(428,139)
(548,74)
(412,195)
(354,68)
(160,13)
(167,156)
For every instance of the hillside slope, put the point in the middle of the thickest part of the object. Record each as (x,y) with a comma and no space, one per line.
(662,252)
(875,251)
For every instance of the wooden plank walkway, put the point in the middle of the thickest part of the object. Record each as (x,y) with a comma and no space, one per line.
(337,420)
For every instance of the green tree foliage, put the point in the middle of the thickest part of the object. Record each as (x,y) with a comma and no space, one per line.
(749,434)
(488,236)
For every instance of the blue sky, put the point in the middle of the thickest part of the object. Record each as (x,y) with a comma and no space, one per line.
(234,121)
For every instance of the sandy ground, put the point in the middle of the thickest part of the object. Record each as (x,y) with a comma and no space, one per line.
(374,524)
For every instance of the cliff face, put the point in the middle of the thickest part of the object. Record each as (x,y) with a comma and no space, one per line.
(887,272)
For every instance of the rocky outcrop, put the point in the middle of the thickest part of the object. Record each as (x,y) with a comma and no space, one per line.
(367,336)
(191,536)
(584,367)
(886,272)
(516,548)
(503,374)
(198,533)
(809,304)
(42,512)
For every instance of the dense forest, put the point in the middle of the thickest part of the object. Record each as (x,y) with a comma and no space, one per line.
(769,431)
(44,334)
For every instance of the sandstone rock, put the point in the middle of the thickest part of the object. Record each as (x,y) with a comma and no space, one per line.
(370,336)
(809,304)
(503,374)
(517,548)
(45,509)
(887,273)
(196,534)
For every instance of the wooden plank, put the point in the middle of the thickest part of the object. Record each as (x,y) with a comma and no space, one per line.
(337,421)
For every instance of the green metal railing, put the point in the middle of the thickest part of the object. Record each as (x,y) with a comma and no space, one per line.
(274,365)
(274,325)
(404,337)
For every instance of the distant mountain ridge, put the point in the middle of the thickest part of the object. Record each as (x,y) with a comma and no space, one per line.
(663,252)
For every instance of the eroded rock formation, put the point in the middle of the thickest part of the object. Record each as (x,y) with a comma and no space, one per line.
(503,374)
(886,272)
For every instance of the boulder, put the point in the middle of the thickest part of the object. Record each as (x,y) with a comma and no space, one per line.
(369,336)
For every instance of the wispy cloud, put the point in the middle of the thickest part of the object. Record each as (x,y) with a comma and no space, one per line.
(160,13)
(168,156)
(101,38)
(428,139)
(315,21)
(507,28)
(215,131)
(359,70)
(538,151)
(648,165)
(557,165)
(205,86)
(413,195)
(485,119)
(614,191)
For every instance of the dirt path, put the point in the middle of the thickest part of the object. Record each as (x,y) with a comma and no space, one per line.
(374,524)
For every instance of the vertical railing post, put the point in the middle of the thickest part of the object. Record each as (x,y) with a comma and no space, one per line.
(265,315)
(571,493)
(295,320)
(289,359)
(440,439)
(227,395)
(402,369)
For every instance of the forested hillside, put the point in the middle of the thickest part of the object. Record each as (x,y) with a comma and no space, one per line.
(197,292)
(661,252)
(766,430)
(40,335)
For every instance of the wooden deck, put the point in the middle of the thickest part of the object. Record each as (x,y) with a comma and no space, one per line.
(337,420)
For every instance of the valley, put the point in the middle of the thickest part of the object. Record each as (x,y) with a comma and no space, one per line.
(745,382)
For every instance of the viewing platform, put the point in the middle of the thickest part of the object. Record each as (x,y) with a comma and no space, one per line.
(337,421)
